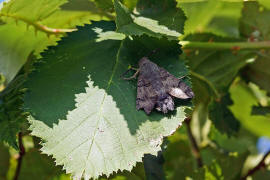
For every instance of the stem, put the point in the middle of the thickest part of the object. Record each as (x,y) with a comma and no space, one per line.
(194,146)
(261,164)
(21,154)
(225,45)
(38,25)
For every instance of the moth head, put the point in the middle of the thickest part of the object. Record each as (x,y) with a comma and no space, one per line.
(143,61)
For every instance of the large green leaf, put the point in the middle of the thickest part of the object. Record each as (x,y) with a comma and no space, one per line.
(22,21)
(261,175)
(154,18)
(39,166)
(218,165)
(217,17)
(259,72)
(216,67)
(222,117)
(240,144)
(179,160)
(11,114)
(217,159)
(85,112)
(213,72)
(265,3)
(255,26)
(244,100)
(154,166)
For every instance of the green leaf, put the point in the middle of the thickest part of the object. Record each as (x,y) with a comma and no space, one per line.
(2,82)
(254,22)
(232,144)
(259,73)
(211,172)
(154,166)
(179,160)
(137,173)
(39,166)
(162,19)
(265,3)
(104,4)
(218,165)
(165,12)
(216,69)
(259,110)
(4,161)
(131,4)
(100,131)
(11,114)
(255,26)
(261,175)
(1,4)
(211,16)
(244,100)
(18,35)
(211,80)
(12,117)
(222,117)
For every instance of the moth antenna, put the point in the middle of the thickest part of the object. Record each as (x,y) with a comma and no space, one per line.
(182,77)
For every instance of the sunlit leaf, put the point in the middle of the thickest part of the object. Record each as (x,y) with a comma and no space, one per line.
(28,25)
(162,19)
(244,100)
(212,16)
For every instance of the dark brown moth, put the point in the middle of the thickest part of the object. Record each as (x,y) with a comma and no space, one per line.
(156,88)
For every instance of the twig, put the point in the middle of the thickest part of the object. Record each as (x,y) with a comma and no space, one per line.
(38,25)
(21,154)
(261,164)
(194,146)
(225,45)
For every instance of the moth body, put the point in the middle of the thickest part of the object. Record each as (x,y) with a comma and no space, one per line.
(156,87)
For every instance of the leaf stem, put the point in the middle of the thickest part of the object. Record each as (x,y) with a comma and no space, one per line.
(21,154)
(261,164)
(225,45)
(38,25)
(194,146)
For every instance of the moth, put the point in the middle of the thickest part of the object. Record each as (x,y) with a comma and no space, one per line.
(156,88)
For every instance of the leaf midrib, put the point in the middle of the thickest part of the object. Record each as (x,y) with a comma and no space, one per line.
(104,97)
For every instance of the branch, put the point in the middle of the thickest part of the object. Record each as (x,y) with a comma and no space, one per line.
(194,146)
(261,164)
(21,154)
(38,25)
(225,45)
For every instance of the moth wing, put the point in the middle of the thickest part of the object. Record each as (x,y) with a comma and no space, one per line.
(174,86)
(146,96)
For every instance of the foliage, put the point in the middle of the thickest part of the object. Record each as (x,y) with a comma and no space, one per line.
(62,91)
(109,100)
(219,17)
